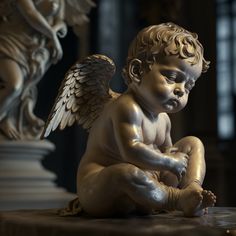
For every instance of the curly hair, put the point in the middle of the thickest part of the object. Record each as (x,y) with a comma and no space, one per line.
(167,39)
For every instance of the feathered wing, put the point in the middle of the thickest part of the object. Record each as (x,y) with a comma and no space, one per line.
(76,12)
(83,94)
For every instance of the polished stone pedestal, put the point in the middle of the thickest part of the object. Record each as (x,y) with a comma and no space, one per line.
(219,221)
(24,182)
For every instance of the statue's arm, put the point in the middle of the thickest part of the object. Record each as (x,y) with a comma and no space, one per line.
(127,123)
(34,18)
(59,25)
(39,23)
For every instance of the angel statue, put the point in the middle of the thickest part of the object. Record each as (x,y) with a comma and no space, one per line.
(29,45)
(130,165)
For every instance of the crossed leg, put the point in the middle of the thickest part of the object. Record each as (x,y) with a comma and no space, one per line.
(193,178)
(119,189)
(124,189)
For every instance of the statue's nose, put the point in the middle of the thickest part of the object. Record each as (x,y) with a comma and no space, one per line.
(179,92)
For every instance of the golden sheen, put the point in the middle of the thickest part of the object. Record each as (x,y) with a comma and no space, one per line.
(130,165)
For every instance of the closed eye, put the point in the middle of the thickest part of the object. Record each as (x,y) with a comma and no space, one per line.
(189,85)
(170,76)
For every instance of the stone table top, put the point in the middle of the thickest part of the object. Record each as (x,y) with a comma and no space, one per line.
(219,221)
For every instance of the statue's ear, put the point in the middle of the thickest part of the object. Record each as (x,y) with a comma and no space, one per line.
(135,70)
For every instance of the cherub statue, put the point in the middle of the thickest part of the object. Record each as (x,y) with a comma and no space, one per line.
(130,164)
(29,45)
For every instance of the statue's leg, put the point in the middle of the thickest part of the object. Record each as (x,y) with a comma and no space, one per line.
(120,189)
(196,169)
(124,188)
(196,164)
(35,124)
(11,82)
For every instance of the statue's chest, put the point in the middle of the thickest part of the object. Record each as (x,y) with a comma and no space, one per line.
(153,132)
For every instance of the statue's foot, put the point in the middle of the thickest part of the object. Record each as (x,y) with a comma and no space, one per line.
(209,199)
(35,128)
(9,130)
(193,200)
(36,122)
(36,125)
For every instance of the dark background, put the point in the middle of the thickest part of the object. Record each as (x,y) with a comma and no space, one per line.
(113,24)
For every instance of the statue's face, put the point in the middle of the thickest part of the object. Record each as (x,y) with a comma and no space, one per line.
(48,7)
(167,85)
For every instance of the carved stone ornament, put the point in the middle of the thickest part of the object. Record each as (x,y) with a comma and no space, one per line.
(29,45)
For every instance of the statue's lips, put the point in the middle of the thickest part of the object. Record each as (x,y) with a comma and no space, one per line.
(173,102)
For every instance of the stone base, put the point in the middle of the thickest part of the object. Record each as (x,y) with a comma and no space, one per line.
(219,221)
(24,183)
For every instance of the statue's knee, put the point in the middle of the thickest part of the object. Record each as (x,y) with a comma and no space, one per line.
(192,140)
(189,144)
(14,89)
(195,142)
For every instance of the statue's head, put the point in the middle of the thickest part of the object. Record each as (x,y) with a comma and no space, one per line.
(167,39)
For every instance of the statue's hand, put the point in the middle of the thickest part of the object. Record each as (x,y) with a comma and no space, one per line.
(57,52)
(179,163)
(60,29)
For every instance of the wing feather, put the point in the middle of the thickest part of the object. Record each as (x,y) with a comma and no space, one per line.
(76,13)
(74,107)
(82,94)
(57,120)
(65,120)
(71,120)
